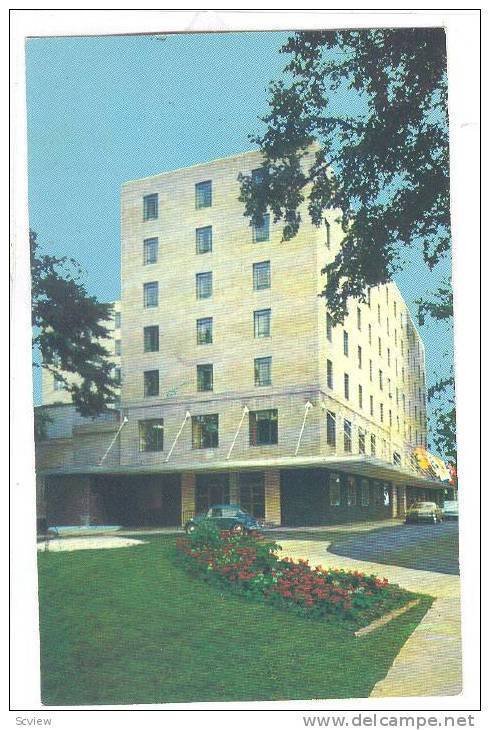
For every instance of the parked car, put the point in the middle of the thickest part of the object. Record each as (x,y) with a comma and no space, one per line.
(225,517)
(424,512)
(451,510)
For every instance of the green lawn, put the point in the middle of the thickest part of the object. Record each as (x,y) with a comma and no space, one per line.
(129,626)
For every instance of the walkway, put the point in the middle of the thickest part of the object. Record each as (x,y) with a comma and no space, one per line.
(429,663)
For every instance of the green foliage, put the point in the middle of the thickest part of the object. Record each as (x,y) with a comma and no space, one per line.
(69,329)
(41,421)
(384,164)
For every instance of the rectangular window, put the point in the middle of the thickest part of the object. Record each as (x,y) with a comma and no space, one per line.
(388,352)
(358,318)
(204,239)
(262,275)
(151,338)
(150,207)
(262,371)
(258,176)
(379,347)
(329,327)
(346,343)
(204,195)
(373,445)
(150,294)
(396,337)
(381,412)
(347,436)
(346,386)
(359,356)
(380,374)
(57,383)
(117,348)
(204,285)
(151,380)
(351,492)
(371,371)
(329,374)
(117,320)
(205,431)
(252,493)
(262,323)
(204,328)
(334,489)
(378,494)
(397,459)
(151,434)
(388,381)
(387,326)
(117,376)
(150,251)
(204,377)
(261,232)
(370,334)
(364,492)
(362,441)
(331,428)
(359,390)
(328,232)
(371,405)
(390,418)
(379,314)
(263,427)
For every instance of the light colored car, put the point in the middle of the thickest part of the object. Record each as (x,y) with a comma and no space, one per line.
(451,510)
(424,512)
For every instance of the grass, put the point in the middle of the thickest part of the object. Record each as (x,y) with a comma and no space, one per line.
(129,626)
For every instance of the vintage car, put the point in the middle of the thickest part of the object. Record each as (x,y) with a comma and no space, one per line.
(424,512)
(225,517)
(451,510)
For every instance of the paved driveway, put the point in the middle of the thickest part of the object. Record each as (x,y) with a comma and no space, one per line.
(421,547)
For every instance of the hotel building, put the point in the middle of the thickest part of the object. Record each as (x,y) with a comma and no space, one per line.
(236,386)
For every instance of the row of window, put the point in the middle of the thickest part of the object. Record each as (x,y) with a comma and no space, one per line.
(263,430)
(203,199)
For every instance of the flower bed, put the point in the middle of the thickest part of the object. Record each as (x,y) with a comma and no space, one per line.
(251,566)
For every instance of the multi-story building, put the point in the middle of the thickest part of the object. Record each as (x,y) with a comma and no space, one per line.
(236,384)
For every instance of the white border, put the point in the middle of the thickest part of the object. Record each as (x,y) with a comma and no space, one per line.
(463,63)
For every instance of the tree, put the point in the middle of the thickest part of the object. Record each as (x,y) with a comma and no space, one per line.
(384,165)
(68,327)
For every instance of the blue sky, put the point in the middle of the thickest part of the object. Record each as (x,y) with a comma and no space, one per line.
(103,110)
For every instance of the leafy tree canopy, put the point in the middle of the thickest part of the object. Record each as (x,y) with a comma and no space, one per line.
(383,165)
(69,330)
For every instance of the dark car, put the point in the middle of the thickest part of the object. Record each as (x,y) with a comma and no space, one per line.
(424,512)
(225,517)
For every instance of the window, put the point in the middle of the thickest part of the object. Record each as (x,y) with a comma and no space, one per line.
(117,320)
(371,371)
(390,418)
(205,431)
(151,434)
(346,386)
(369,297)
(263,427)
(359,393)
(362,441)
(364,492)
(150,294)
(117,348)
(379,314)
(388,380)
(329,327)
(258,176)
(151,380)
(402,347)
(262,323)
(252,493)
(378,494)
(397,393)
(327,231)
(262,275)
(394,308)
(396,337)
(334,489)
(262,371)
(150,251)
(358,318)
(211,489)
(380,374)
(329,374)
(261,232)
(204,285)
(351,492)
(346,343)
(57,383)
(150,207)
(151,338)
(204,239)
(359,356)
(373,444)
(397,459)
(331,428)
(371,405)
(387,326)
(204,378)
(388,352)
(381,412)
(117,376)
(347,436)
(379,347)
(370,334)
(204,328)
(204,195)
